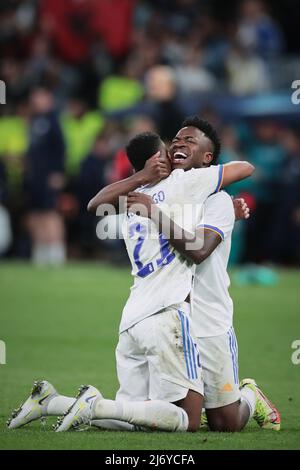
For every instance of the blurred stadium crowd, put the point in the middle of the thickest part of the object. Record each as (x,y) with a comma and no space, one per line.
(83,76)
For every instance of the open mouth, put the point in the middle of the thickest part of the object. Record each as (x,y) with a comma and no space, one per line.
(179,157)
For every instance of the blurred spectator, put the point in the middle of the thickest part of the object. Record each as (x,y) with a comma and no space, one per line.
(122,91)
(17,24)
(93,169)
(14,143)
(92,178)
(285,234)
(161,88)
(231,150)
(215,43)
(44,179)
(121,167)
(17,84)
(5,227)
(267,154)
(258,31)
(43,67)
(247,73)
(192,77)
(80,127)
(73,25)
(3,184)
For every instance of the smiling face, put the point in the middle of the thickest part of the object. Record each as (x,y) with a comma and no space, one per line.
(190,148)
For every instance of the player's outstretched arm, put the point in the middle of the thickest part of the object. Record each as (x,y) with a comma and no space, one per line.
(154,171)
(236,171)
(110,194)
(193,247)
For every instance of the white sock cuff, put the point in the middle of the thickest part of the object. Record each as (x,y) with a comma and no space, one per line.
(249,397)
(184,420)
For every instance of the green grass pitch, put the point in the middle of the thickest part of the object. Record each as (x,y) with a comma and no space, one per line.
(62,325)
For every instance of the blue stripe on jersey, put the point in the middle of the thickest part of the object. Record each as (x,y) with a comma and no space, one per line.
(213,228)
(220,178)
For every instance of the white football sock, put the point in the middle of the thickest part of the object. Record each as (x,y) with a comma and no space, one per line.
(59,405)
(39,254)
(248,396)
(113,424)
(56,254)
(154,414)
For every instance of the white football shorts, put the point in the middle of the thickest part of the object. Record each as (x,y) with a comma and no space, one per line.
(158,358)
(219,359)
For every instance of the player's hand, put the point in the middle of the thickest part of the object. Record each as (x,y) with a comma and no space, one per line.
(241,209)
(140,204)
(156,169)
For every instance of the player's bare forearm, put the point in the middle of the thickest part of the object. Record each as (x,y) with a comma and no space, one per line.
(111,193)
(236,171)
(193,247)
(154,171)
(175,234)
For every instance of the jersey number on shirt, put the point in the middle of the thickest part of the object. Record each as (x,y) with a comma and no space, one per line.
(166,256)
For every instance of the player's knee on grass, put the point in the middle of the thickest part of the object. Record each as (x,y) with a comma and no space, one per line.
(192,405)
(194,424)
(226,418)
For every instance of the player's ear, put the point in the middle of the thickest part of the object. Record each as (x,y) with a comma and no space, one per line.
(208,157)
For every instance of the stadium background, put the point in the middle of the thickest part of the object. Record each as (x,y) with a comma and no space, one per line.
(81,78)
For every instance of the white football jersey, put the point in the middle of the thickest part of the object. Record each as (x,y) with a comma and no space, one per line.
(162,277)
(212,307)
